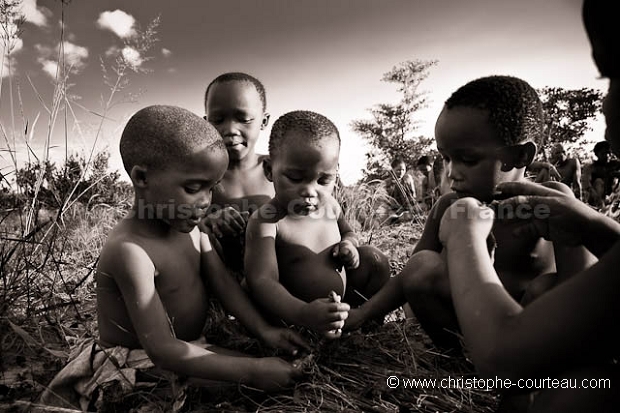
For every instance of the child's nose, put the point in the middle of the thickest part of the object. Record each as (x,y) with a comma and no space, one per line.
(451,171)
(309,191)
(205,199)
(229,127)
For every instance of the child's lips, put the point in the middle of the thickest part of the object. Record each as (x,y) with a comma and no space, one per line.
(234,145)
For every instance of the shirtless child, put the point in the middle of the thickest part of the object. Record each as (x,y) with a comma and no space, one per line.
(485,134)
(298,243)
(235,103)
(157,269)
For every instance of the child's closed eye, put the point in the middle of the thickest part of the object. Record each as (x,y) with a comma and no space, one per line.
(192,189)
(215,120)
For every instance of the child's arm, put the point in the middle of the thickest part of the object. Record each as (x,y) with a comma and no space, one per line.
(507,340)
(134,274)
(346,250)
(263,279)
(577,180)
(429,239)
(563,219)
(236,301)
(569,260)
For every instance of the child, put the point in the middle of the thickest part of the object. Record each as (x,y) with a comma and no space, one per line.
(235,103)
(401,188)
(570,334)
(602,175)
(157,269)
(298,243)
(484,133)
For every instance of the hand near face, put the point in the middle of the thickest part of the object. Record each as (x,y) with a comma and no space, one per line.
(226,222)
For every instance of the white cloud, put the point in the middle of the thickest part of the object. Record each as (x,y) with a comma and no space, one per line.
(75,57)
(49,66)
(166,52)
(33,14)
(132,56)
(112,51)
(117,21)
(6,56)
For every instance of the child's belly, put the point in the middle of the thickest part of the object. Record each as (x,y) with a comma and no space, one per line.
(308,275)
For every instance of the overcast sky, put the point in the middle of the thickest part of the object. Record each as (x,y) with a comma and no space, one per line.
(321,55)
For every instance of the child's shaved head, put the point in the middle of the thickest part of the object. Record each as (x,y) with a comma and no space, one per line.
(313,126)
(159,136)
(240,77)
(515,110)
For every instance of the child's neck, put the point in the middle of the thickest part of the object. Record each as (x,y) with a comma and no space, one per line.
(146,218)
(247,162)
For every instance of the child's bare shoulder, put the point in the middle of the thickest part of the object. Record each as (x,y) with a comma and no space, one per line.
(123,253)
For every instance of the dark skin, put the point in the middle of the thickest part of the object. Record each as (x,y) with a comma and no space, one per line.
(155,274)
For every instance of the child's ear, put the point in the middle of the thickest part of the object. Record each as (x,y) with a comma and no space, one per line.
(525,155)
(267,169)
(138,176)
(265,121)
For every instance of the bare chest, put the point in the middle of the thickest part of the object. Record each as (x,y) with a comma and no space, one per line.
(305,263)
(247,191)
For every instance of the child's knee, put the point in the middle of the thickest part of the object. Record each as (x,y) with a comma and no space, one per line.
(377,262)
(424,273)
(538,286)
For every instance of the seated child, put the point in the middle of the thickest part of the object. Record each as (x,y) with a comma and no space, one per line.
(235,103)
(298,243)
(157,270)
(485,134)
(401,188)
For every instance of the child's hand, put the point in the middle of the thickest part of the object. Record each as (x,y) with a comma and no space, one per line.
(325,316)
(550,213)
(355,319)
(465,216)
(346,253)
(273,374)
(227,222)
(285,339)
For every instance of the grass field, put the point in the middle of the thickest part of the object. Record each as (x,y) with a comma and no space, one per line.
(48,297)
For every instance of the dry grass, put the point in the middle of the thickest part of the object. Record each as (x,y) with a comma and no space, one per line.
(344,375)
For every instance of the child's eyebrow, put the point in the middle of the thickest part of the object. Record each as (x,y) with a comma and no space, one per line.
(201,181)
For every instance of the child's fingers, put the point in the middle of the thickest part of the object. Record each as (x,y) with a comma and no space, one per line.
(336,250)
(234,219)
(297,342)
(216,230)
(510,189)
(333,334)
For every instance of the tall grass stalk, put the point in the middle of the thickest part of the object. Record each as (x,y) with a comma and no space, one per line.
(42,256)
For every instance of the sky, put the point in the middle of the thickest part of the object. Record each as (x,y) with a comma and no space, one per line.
(322,55)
